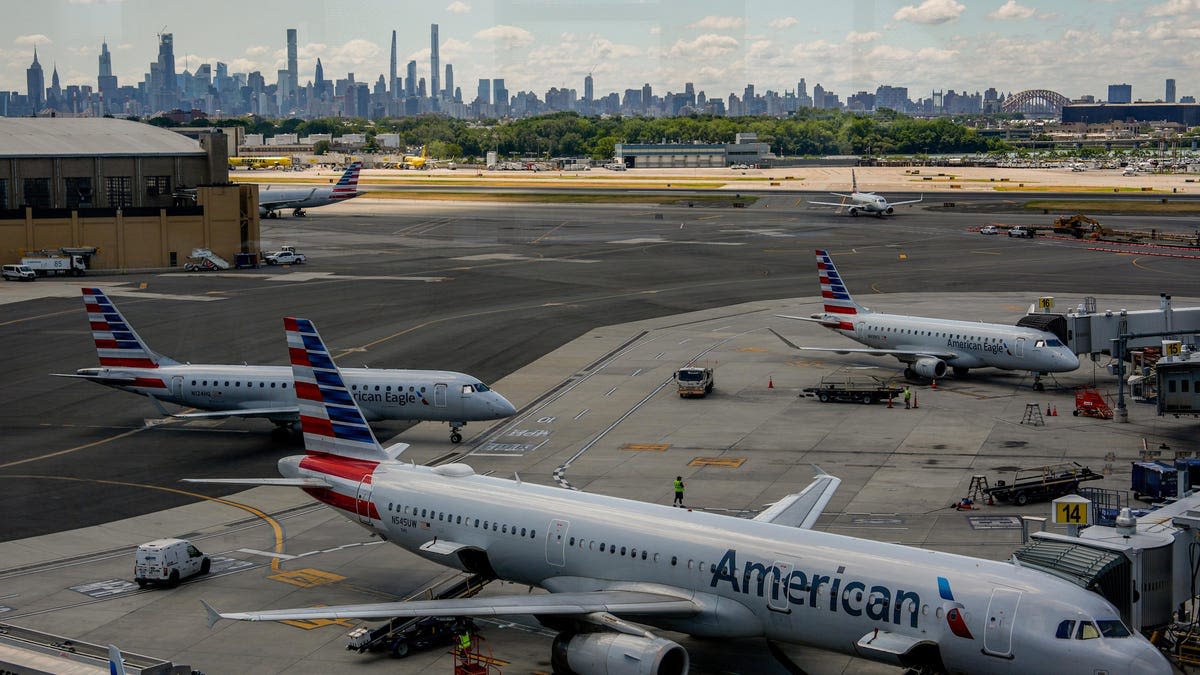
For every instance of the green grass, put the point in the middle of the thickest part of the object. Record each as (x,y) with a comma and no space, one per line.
(562,198)
(1114,206)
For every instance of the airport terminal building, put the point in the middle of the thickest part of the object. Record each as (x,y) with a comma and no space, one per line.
(142,196)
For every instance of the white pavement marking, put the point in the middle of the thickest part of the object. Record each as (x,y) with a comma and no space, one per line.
(660,240)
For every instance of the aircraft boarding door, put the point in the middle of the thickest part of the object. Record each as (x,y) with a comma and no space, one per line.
(1019,351)
(1001,617)
(177,387)
(439,395)
(362,502)
(777,590)
(556,542)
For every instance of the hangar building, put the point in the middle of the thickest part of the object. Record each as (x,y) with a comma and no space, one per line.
(144,197)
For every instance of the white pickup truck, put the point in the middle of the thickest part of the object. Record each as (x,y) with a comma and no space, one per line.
(287,256)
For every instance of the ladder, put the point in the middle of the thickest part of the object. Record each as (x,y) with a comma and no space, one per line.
(1033,415)
(978,489)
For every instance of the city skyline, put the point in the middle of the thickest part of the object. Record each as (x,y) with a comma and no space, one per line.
(721,47)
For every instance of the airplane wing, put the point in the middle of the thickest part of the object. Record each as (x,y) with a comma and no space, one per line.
(240,412)
(911,201)
(285,203)
(829,203)
(901,354)
(636,603)
(802,509)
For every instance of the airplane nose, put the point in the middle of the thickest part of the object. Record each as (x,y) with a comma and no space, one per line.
(1149,661)
(502,407)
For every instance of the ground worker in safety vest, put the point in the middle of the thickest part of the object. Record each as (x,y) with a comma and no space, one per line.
(678,492)
(464,641)
(907,398)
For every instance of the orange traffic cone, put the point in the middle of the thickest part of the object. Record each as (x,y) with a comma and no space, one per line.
(770,382)
(933,384)
(1048,410)
(890,401)
(915,406)
(1054,411)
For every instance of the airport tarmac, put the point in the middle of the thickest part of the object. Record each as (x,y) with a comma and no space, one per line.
(597,410)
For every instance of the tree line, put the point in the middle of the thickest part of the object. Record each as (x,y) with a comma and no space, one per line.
(808,133)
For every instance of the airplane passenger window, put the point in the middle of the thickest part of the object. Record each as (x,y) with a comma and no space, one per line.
(1087,631)
(285,385)
(602,547)
(193,383)
(644,556)
(533,534)
(204,383)
(422,513)
(272,385)
(388,388)
(485,524)
(622,550)
(571,542)
(504,529)
(633,553)
(522,532)
(674,560)
(262,385)
(458,520)
(476,522)
(226,383)
(690,563)
(1112,628)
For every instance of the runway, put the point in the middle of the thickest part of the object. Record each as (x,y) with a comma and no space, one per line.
(576,313)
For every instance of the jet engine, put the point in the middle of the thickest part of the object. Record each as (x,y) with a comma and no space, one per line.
(929,367)
(853,211)
(616,654)
(889,210)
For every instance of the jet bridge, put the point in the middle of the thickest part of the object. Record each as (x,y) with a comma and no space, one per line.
(1088,330)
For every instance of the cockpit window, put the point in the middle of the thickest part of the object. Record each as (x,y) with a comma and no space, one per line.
(1054,343)
(1112,628)
(1087,631)
(1065,629)
(480,387)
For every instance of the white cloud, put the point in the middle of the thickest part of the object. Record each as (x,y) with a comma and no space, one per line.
(656,30)
(784,22)
(930,12)
(94,2)
(705,46)
(1012,10)
(35,39)
(458,7)
(1175,8)
(257,50)
(506,37)
(719,22)
(856,38)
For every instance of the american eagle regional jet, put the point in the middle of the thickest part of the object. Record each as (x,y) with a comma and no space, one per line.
(865,202)
(614,566)
(272,200)
(927,346)
(221,391)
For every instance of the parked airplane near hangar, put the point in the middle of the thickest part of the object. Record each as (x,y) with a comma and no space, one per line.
(609,562)
(272,200)
(865,202)
(221,391)
(927,345)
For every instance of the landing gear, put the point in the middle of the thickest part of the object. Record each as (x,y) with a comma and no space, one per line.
(959,371)
(456,427)
(283,431)
(299,213)
(272,214)
(1038,385)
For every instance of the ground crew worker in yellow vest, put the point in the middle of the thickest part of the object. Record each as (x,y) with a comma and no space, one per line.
(907,398)
(464,641)
(678,492)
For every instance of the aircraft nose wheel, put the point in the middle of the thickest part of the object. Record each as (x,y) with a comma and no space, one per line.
(455,428)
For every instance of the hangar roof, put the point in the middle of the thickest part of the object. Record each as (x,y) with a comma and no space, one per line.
(88,136)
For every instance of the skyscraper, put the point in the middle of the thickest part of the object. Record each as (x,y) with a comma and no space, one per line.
(292,72)
(393,86)
(499,94)
(449,91)
(105,61)
(35,84)
(410,79)
(105,81)
(483,95)
(587,88)
(1120,93)
(1170,97)
(435,62)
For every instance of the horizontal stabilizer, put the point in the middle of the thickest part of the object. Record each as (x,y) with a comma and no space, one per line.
(101,378)
(911,201)
(287,482)
(561,604)
(802,509)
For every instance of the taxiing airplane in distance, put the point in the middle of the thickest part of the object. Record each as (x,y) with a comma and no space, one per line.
(420,161)
(865,202)
(613,566)
(272,200)
(926,345)
(222,391)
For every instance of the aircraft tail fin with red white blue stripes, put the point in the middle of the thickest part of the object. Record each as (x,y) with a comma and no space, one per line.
(329,416)
(347,185)
(117,344)
(834,292)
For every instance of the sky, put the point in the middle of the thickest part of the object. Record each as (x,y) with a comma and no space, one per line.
(1074,47)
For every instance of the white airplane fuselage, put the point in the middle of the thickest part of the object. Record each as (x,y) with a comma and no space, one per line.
(747,578)
(383,394)
(298,198)
(974,344)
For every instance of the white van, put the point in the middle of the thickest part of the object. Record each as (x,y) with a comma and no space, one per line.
(168,561)
(19,273)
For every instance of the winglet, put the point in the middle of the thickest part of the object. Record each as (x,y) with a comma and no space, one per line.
(213,615)
(802,509)
(116,662)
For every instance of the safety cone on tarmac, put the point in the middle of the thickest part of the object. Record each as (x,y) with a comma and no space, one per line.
(915,406)
(890,401)
(933,384)
(770,382)
(1048,411)
(1054,411)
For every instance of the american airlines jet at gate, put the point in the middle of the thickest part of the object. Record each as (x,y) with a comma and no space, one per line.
(613,565)
(272,200)
(220,391)
(926,345)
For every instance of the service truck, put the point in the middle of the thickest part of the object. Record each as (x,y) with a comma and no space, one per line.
(694,381)
(56,264)
(285,256)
